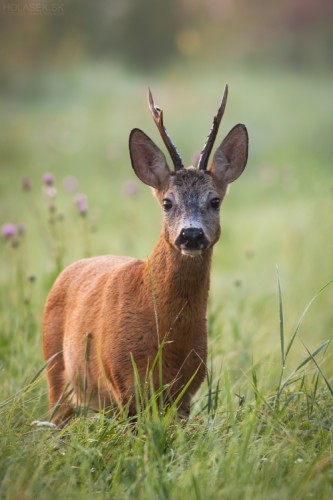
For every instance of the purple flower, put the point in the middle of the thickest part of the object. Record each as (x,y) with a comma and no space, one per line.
(130,188)
(81,203)
(48,179)
(25,184)
(8,230)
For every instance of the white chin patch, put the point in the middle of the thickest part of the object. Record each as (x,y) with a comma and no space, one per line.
(191,253)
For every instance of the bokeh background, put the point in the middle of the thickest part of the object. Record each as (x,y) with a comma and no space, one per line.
(73,83)
(152,35)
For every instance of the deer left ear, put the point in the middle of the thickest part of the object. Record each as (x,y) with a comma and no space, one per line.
(231,156)
(148,161)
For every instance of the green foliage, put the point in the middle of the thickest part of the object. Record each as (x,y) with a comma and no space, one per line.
(261,425)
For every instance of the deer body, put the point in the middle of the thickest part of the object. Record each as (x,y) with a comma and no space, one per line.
(104,312)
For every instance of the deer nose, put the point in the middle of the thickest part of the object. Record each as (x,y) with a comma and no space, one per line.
(192,238)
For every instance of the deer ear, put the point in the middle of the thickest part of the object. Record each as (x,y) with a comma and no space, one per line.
(231,156)
(147,159)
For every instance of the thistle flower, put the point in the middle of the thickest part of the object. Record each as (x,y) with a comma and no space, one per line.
(8,231)
(48,179)
(81,204)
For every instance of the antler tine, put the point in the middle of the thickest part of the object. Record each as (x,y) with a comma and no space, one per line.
(157,114)
(205,153)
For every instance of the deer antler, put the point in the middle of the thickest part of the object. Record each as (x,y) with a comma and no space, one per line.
(157,114)
(204,156)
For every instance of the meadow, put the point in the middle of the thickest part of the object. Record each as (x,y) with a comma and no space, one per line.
(261,426)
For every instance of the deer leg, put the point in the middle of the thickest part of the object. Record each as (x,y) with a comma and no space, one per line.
(60,395)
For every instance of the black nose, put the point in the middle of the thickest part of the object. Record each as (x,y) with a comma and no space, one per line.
(192,237)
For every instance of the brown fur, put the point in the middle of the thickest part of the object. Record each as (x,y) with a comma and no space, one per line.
(103,310)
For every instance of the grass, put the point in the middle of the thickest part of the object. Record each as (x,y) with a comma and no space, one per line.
(261,425)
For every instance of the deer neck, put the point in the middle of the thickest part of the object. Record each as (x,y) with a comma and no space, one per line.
(179,284)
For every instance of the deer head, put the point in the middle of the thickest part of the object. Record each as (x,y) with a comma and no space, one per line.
(190,197)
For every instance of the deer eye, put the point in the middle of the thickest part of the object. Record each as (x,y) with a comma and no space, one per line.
(215,203)
(167,204)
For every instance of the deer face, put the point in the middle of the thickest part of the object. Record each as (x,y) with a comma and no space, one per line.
(191,207)
(190,197)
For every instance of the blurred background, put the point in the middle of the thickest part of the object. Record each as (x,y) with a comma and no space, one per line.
(151,35)
(73,83)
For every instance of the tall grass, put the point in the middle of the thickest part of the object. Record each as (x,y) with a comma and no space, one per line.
(261,425)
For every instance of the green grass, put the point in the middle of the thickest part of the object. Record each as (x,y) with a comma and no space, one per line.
(261,425)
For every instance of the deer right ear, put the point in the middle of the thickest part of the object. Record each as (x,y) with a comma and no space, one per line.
(231,156)
(147,159)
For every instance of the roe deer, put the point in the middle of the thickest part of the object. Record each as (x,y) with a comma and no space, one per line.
(104,312)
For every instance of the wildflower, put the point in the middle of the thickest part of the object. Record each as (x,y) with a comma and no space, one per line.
(8,231)
(130,188)
(49,190)
(48,179)
(81,204)
(25,184)
(70,184)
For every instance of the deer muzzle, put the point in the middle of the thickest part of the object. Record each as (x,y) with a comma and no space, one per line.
(192,241)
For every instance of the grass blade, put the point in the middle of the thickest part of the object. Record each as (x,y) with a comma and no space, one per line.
(30,384)
(312,357)
(283,356)
(309,358)
(300,321)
